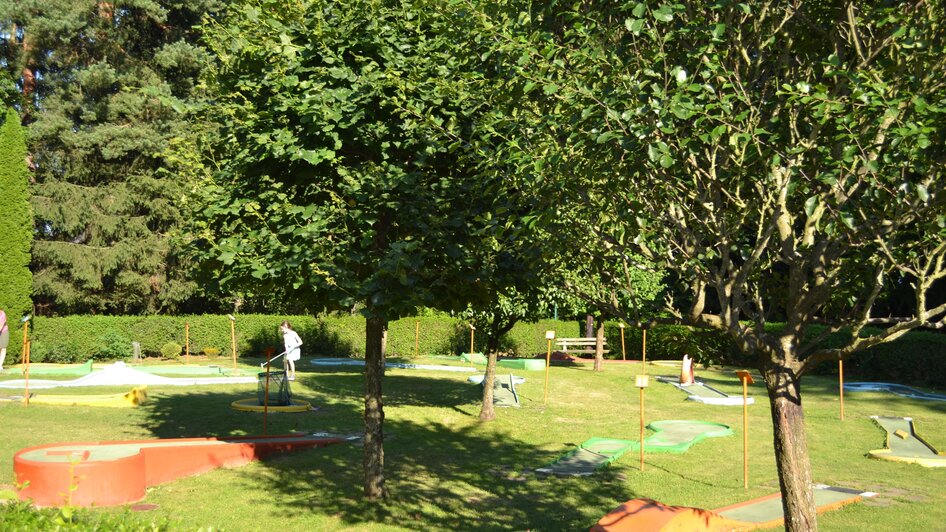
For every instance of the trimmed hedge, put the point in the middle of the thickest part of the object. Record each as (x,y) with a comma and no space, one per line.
(915,358)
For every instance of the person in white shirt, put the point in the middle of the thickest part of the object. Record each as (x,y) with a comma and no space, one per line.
(292,342)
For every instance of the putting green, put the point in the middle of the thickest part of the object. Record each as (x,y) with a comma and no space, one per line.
(532,364)
(58,369)
(904,445)
(670,436)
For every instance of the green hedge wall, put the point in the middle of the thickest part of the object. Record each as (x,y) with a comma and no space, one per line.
(16,230)
(918,358)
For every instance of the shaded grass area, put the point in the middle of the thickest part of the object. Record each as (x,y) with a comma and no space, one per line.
(446,470)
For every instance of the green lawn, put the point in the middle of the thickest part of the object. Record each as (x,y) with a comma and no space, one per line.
(447,471)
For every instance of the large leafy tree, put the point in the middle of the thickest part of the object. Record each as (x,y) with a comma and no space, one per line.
(349,172)
(100,82)
(16,223)
(781,158)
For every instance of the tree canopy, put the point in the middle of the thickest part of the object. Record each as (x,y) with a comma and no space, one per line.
(99,85)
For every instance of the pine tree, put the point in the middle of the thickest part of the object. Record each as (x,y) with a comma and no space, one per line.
(102,84)
(16,225)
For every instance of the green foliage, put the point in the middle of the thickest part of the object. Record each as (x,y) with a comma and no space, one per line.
(16,227)
(171,350)
(19,516)
(351,170)
(211,352)
(106,84)
(112,345)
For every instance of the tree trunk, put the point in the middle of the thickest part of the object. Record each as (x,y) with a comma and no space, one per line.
(488,410)
(374,409)
(589,326)
(599,345)
(791,449)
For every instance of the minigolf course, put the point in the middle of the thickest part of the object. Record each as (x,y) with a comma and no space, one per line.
(904,445)
(118,472)
(504,389)
(119,373)
(57,369)
(670,436)
(135,397)
(647,515)
(701,392)
(898,389)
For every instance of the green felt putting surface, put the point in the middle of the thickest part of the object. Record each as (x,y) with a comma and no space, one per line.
(530,364)
(671,436)
(589,456)
(677,436)
(58,369)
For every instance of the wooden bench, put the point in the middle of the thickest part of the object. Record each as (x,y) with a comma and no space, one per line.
(583,345)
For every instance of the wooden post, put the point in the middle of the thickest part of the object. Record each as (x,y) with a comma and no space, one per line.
(417,338)
(746,379)
(26,324)
(641,383)
(549,336)
(187,343)
(623,354)
(841,384)
(233,338)
(26,393)
(472,330)
(644,353)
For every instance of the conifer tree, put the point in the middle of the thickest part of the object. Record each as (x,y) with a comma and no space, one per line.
(102,84)
(16,224)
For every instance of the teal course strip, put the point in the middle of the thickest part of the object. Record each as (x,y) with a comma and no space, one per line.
(670,436)
(770,508)
(504,389)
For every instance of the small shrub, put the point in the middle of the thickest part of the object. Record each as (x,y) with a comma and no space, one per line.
(211,352)
(171,350)
(18,515)
(112,346)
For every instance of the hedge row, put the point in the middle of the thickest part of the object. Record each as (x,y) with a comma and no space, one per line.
(78,338)
(917,357)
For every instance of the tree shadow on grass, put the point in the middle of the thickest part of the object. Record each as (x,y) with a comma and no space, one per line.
(441,474)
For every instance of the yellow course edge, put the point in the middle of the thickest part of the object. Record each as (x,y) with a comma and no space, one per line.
(252,405)
(885,454)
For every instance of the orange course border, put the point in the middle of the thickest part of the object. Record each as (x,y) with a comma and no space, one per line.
(643,515)
(117,472)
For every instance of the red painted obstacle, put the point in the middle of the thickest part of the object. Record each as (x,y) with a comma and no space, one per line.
(117,472)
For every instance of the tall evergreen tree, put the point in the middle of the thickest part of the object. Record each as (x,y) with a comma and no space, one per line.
(101,82)
(16,222)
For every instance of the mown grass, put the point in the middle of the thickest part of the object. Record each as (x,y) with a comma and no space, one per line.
(447,470)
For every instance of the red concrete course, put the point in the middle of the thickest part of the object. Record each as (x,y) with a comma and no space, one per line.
(117,472)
